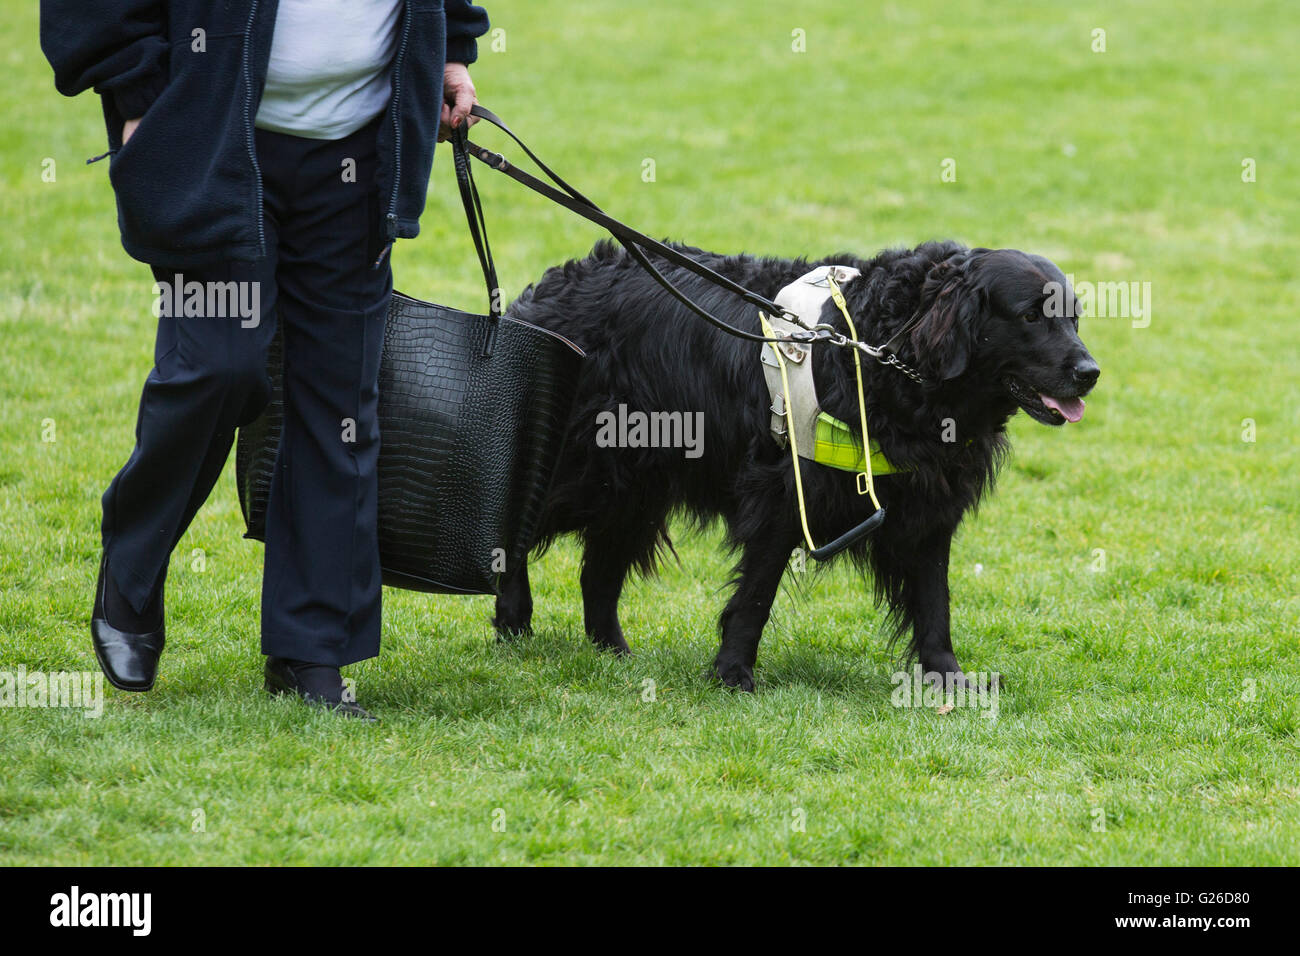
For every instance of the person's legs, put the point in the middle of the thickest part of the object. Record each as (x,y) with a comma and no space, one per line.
(209,376)
(321,585)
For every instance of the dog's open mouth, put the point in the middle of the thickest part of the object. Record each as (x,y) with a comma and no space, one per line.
(1042,407)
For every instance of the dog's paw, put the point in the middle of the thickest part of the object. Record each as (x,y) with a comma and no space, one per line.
(507,633)
(734,675)
(947,676)
(611,642)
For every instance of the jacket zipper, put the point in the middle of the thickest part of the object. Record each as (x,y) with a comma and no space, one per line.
(390,221)
(248,132)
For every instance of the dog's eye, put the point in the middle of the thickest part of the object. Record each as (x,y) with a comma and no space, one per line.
(1033,316)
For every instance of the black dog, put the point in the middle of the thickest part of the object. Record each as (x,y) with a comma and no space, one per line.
(997,331)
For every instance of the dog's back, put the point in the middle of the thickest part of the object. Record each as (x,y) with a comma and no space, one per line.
(668,408)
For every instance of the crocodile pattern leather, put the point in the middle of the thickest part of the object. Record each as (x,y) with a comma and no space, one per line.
(468,444)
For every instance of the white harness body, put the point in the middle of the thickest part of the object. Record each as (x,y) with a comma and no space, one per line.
(805,297)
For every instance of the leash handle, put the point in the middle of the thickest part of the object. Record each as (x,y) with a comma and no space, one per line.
(629,238)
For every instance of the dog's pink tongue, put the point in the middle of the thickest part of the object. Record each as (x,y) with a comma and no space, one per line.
(1071,408)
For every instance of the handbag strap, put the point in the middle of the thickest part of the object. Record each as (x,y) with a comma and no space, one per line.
(630,238)
(478,232)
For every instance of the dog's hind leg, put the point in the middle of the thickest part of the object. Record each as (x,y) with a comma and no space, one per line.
(761,567)
(514,612)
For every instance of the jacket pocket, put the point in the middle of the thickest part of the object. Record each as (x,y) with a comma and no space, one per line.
(183,182)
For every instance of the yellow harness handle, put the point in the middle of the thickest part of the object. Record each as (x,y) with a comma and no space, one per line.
(838,297)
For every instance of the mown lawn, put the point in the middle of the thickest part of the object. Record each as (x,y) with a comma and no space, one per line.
(1134,580)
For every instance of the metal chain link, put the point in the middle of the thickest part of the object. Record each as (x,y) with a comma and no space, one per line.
(829,335)
(891,359)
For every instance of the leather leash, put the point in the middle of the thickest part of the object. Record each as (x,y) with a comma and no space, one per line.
(631,239)
(635,242)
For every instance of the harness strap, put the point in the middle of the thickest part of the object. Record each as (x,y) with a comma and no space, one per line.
(838,298)
(794,442)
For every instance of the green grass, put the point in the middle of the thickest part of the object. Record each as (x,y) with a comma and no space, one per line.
(1158,694)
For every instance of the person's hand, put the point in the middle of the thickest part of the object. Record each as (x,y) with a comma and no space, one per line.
(458,94)
(128,128)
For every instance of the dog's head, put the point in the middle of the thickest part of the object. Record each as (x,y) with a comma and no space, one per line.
(1010,321)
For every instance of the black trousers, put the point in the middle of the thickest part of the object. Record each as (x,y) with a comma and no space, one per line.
(321,582)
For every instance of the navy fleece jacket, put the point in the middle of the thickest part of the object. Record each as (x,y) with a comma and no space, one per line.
(188,187)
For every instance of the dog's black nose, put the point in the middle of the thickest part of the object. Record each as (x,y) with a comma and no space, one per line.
(1086,372)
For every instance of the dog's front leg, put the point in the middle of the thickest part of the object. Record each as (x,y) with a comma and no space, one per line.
(760,570)
(926,600)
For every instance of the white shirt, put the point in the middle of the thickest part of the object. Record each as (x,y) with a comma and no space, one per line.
(329,73)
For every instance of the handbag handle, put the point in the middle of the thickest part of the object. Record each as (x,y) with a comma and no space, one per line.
(478,232)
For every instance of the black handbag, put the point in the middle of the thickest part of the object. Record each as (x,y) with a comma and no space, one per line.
(472,415)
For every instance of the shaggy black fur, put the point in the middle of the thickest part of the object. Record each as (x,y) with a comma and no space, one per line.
(989,342)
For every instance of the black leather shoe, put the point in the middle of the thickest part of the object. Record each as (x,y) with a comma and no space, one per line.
(282,678)
(129,660)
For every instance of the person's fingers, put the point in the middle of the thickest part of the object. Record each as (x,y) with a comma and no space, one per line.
(444,123)
(464,101)
(128,128)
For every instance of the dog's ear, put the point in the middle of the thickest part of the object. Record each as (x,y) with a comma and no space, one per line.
(952,307)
